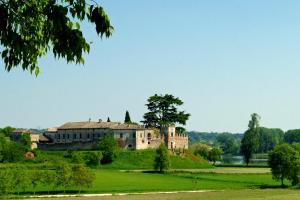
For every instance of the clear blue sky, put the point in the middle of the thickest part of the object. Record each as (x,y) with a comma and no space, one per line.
(224,59)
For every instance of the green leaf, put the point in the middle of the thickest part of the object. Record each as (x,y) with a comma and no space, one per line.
(37,71)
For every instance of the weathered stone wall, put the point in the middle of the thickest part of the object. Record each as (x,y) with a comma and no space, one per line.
(146,139)
(68,146)
(126,137)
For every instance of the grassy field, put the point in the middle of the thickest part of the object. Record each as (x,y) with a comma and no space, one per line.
(270,194)
(113,181)
(143,159)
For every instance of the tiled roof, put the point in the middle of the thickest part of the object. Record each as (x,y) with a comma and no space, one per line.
(100,125)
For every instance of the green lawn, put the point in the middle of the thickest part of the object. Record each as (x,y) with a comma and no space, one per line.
(111,181)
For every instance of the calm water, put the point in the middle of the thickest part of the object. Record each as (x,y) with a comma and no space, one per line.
(260,159)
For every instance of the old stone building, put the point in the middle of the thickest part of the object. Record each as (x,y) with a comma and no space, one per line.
(85,135)
(34,136)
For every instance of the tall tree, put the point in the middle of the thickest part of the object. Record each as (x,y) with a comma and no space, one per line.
(249,143)
(127,118)
(163,111)
(108,119)
(28,29)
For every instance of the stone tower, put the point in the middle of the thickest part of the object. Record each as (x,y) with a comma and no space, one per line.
(172,139)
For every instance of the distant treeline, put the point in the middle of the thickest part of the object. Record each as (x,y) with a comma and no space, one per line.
(230,143)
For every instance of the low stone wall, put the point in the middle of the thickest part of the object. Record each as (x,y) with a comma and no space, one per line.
(68,146)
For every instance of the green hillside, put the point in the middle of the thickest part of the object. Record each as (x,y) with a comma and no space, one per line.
(143,159)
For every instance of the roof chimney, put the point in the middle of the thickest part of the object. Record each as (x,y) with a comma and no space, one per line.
(100,120)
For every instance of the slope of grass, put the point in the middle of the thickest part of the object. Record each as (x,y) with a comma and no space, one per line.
(143,159)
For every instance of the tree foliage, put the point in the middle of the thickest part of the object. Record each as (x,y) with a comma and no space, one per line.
(201,150)
(228,143)
(25,141)
(30,28)
(292,136)
(82,176)
(6,182)
(10,151)
(127,118)
(269,138)
(63,176)
(249,143)
(6,131)
(93,158)
(162,158)
(109,147)
(163,111)
(285,163)
(214,155)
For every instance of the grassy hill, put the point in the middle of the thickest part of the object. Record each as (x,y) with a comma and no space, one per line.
(143,159)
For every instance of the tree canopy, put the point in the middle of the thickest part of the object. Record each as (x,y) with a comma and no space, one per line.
(292,136)
(284,161)
(228,143)
(163,111)
(269,138)
(249,143)
(109,147)
(30,28)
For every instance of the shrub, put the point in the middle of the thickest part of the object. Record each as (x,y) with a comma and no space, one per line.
(214,155)
(93,158)
(201,150)
(162,158)
(82,176)
(109,147)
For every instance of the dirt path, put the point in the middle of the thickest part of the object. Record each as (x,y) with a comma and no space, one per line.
(94,196)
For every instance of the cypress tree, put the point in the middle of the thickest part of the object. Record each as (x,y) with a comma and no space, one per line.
(127,118)
(108,119)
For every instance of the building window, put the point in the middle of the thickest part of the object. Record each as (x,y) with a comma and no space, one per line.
(148,142)
(68,136)
(141,135)
(58,136)
(133,135)
(172,134)
(63,136)
(130,146)
(74,136)
(98,135)
(80,136)
(121,135)
(88,136)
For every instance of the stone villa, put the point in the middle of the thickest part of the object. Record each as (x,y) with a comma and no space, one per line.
(85,135)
